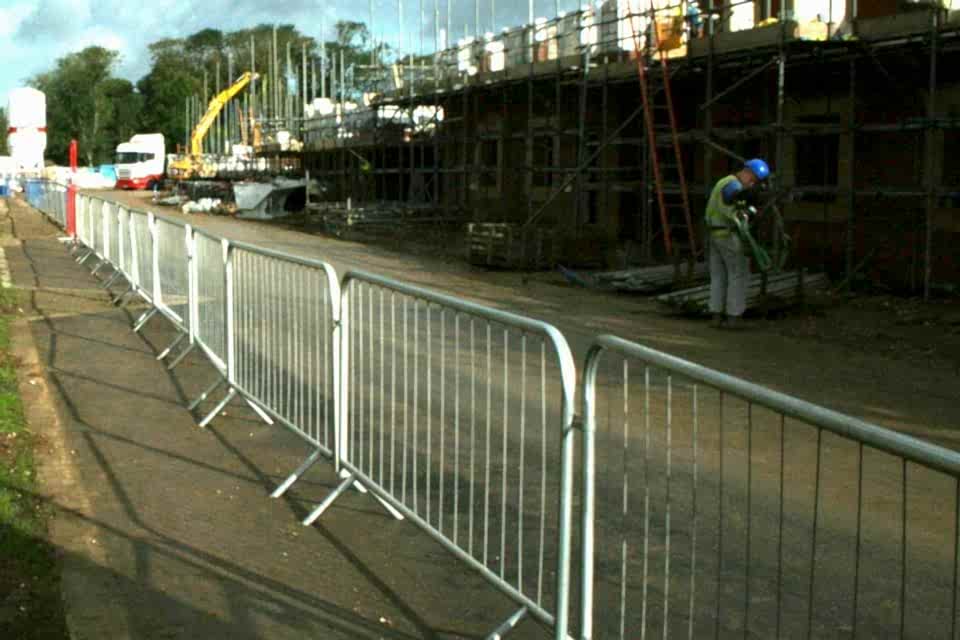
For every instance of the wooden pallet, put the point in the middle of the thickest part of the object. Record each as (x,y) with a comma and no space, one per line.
(507,246)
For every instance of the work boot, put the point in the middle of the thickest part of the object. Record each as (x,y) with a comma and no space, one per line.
(717,321)
(735,323)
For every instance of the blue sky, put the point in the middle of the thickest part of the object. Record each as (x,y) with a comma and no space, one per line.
(34,33)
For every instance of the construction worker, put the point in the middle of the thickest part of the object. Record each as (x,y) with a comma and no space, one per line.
(729,265)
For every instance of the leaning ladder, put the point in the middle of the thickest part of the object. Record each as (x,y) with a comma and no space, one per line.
(652,85)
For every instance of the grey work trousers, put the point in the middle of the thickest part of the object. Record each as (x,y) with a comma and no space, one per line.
(729,274)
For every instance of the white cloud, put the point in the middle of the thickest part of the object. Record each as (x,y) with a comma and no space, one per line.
(12,17)
(99,37)
(34,33)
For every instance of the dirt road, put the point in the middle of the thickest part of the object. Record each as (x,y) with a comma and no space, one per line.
(856,358)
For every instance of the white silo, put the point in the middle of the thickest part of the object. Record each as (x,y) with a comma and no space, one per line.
(27,132)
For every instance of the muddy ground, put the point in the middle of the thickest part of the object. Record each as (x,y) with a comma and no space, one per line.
(890,360)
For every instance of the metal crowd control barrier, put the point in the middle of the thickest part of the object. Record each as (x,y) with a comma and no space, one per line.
(446,404)
(279,342)
(51,199)
(492,392)
(710,506)
(714,507)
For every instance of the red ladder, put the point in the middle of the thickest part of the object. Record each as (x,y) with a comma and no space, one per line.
(650,89)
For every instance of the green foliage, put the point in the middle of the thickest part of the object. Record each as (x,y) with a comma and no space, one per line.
(164,91)
(31,606)
(85,102)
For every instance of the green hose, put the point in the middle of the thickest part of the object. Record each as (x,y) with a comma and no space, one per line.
(760,255)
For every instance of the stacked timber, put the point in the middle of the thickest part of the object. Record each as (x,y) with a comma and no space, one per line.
(773,290)
(639,280)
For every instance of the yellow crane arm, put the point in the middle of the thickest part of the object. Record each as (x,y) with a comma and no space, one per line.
(214,109)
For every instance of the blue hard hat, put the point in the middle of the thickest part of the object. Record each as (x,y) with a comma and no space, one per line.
(759,168)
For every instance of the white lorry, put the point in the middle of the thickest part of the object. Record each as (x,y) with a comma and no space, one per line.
(140,162)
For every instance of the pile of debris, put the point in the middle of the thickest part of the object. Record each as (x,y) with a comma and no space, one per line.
(510,246)
(277,197)
(638,280)
(215,206)
(765,291)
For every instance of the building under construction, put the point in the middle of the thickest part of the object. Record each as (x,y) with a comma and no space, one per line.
(557,137)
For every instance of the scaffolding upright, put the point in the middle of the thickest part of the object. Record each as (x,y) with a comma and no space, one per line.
(539,128)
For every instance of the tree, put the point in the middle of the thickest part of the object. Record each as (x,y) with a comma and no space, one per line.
(180,64)
(122,107)
(85,102)
(164,91)
(204,45)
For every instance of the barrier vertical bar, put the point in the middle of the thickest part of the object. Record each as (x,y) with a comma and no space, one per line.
(565,499)
(193,285)
(589,491)
(105,221)
(155,260)
(228,289)
(341,417)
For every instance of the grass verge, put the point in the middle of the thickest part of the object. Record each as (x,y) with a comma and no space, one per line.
(30,603)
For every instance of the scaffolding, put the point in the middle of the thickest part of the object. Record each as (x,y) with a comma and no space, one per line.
(540,127)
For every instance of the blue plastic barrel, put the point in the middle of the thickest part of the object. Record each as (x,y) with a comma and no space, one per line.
(33,190)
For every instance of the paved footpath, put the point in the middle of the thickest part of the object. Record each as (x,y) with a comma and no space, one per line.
(165,529)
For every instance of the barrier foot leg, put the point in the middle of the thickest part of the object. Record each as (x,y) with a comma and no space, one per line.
(216,410)
(389,508)
(260,412)
(293,477)
(109,281)
(329,500)
(129,298)
(203,396)
(359,488)
(362,489)
(142,320)
(173,345)
(83,257)
(508,625)
(98,267)
(120,298)
(181,356)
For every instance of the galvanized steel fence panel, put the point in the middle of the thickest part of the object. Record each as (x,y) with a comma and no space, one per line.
(143,250)
(96,227)
(89,217)
(83,235)
(211,297)
(283,333)
(112,216)
(60,205)
(126,263)
(53,200)
(172,261)
(714,507)
(460,416)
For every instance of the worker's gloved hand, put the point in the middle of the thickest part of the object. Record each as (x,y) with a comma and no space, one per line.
(743,210)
